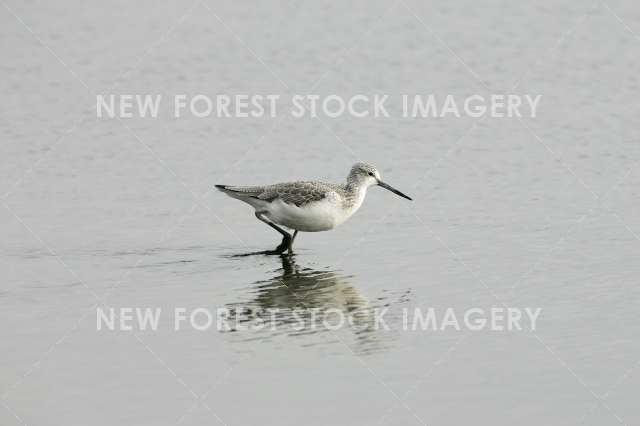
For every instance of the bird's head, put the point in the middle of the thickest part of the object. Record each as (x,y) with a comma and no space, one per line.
(366,175)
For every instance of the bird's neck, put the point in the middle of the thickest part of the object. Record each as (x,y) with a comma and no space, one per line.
(354,194)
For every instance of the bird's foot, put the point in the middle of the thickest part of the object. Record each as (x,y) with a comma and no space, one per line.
(284,245)
(271,252)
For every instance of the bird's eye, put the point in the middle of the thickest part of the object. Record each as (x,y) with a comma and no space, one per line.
(371,174)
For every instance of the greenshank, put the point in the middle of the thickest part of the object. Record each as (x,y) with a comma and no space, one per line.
(308,206)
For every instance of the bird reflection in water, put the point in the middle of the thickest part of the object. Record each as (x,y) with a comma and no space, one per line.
(310,303)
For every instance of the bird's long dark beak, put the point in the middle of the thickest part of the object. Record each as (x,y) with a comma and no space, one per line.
(392,189)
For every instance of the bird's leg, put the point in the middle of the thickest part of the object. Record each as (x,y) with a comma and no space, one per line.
(282,247)
(286,237)
(290,247)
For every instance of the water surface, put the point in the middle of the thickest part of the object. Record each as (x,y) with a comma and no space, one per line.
(124,215)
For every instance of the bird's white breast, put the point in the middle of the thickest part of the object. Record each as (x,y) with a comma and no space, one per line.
(316,216)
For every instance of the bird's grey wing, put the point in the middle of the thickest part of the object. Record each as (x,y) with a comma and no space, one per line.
(298,193)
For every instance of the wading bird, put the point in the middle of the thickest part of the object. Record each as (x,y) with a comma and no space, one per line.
(308,206)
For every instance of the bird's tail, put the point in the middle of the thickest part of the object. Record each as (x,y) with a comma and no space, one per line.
(240,191)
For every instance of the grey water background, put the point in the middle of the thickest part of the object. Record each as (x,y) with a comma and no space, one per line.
(539,213)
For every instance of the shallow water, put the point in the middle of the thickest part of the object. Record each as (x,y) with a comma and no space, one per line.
(123,213)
